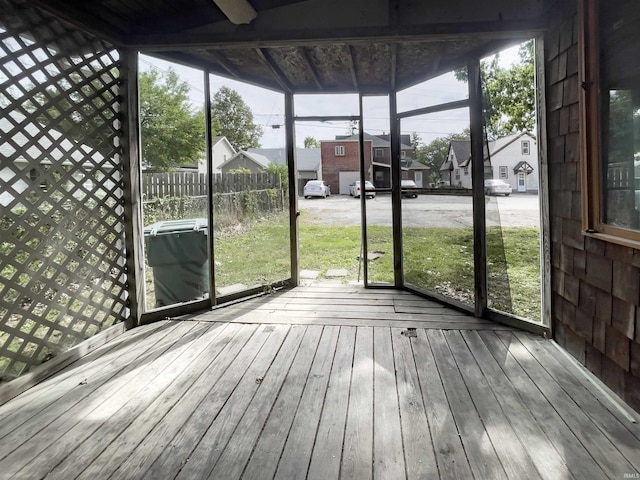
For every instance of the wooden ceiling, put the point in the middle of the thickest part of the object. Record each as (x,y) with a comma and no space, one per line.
(312,46)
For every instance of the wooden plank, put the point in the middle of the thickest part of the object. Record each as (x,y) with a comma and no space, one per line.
(388,458)
(264,459)
(327,450)
(169,412)
(51,403)
(548,463)
(208,450)
(616,431)
(578,460)
(214,411)
(600,448)
(280,389)
(416,437)
(480,452)
(424,310)
(450,456)
(22,447)
(81,444)
(594,385)
(40,373)
(55,387)
(512,453)
(357,457)
(296,454)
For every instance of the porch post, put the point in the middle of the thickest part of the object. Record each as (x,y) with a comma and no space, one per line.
(396,196)
(133,221)
(477,183)
(209,155)
(290,140)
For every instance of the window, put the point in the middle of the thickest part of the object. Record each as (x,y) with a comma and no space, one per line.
(466,170)
(504,172)
(378,153)
(457,174)
(524,146)
(339,150)
(610,102)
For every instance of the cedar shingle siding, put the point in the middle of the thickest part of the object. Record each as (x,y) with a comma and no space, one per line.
(596,285)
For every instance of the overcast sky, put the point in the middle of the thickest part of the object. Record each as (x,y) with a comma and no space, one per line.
(268,106)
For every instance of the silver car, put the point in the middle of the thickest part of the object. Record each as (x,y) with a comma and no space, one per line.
(369,189)
(497,187)
(316,188)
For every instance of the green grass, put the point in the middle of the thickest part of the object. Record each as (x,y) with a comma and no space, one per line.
(435,259)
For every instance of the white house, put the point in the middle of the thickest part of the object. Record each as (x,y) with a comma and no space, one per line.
(513,158)
(308,162)
(222,151)
(35,167)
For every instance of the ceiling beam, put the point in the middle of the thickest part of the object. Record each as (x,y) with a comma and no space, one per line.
(314,73)
(352,67)
(266,58)
(106,26)
(394,66)
(251,38)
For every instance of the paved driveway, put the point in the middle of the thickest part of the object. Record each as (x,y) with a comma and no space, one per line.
(517,210)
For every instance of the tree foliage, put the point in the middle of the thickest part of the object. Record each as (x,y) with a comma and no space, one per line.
(235,119)
(282,170)
(172,131)
(310,142)
(509,93)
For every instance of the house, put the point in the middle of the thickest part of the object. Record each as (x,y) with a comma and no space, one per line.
(254,162)
(20,175)
(341,161)
(221,151)
(308,161)
(513,158)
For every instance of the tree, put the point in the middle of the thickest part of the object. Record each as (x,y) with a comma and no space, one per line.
(282,170)
(235,119)
(434,154)
(172,131)
(310,142)
(509,93)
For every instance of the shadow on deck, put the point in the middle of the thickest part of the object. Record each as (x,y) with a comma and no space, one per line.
(320,383)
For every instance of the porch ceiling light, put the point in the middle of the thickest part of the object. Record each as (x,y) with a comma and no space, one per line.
(237,11)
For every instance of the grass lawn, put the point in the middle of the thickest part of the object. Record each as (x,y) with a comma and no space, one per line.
(435,259)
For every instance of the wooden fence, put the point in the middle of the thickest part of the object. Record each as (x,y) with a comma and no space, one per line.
(193,184)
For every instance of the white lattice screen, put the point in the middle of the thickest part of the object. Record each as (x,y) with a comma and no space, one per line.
(62,265)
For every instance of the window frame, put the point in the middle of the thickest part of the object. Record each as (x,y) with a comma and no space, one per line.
(525,147)
(339,150)
(379,151)
(590,132)
(505,169)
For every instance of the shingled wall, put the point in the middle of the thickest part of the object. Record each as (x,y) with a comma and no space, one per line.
(596,284)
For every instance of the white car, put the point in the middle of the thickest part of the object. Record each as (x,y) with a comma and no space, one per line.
(316,188)
(369,189)
(497,187)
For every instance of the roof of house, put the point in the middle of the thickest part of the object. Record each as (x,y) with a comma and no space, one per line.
(379,141)
(258,159)
(221,138)
(415,165)
(462,151)
(308,159)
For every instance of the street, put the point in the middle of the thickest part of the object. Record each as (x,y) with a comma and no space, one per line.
(444,211)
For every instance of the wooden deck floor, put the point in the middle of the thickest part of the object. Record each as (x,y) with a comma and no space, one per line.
(291,389)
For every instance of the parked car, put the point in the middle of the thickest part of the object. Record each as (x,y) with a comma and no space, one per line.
(316,188)
(497,187)
(408,188)
(369,189)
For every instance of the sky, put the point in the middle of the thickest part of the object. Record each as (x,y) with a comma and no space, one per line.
(267,106)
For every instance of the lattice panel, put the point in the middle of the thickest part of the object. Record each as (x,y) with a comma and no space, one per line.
(62,259)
